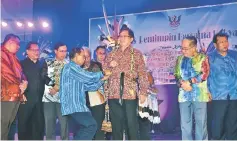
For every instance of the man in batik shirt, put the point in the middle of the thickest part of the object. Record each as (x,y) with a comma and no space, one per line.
(191,72)
(52,106)
(128,69)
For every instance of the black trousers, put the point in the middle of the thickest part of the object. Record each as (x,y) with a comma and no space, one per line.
(224,119)
(31,121)
(124,117)
(12,131)
(144,128)
(98,112)
(209,120)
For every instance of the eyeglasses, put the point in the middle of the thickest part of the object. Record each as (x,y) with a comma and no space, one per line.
(124,36)
(100,53)
(186,49)
(34,50)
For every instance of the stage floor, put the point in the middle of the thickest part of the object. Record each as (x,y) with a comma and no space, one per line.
(155,136)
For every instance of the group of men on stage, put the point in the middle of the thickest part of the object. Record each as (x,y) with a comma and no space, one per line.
(207,80)
(37,91)
(42,90)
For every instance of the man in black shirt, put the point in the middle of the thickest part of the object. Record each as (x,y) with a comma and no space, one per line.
(30,114)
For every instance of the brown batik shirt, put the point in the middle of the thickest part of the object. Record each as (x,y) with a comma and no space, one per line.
(131,78)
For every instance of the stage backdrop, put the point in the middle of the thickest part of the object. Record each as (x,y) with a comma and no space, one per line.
(158,35)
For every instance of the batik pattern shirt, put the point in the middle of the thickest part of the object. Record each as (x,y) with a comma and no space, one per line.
(54,68)
(131,78)
(196,68)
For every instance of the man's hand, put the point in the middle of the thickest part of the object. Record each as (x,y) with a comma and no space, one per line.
(107,72)
(101,96)
(106,77)
(209,97)
(24,98)
(52,91)
(113,64)
(142,98)
(23,86)
(186,86)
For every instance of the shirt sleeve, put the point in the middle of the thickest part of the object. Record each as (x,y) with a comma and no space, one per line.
(44,73)
(93,86)
(85,76)
(142,76)
(177,71)
(203,75)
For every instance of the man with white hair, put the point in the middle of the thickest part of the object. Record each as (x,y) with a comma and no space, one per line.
(96,99)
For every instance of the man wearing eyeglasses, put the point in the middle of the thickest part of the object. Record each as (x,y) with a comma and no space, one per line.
(13,83)
(191,72)
(222,84)
(128,70)
(30,114)
(52,106)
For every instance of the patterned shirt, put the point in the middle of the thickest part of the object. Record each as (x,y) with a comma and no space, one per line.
(73,84)
(196,68)
(125,59)
(53,68)
(222,80)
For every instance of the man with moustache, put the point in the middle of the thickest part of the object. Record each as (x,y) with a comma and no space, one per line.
(222,83)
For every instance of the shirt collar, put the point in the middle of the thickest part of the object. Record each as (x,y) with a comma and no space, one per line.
(72,62)
(126,50)
(32,61)
(218,54)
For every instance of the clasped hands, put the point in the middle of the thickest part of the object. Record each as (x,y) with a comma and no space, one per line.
(186,85)
(54,90)
(23,85)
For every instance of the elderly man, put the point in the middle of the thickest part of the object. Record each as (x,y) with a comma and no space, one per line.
(13,83)
(191,72)
(96,98)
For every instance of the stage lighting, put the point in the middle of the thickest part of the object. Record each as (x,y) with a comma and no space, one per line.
(45,24)
(19,24)
(30,24)
(4,24)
